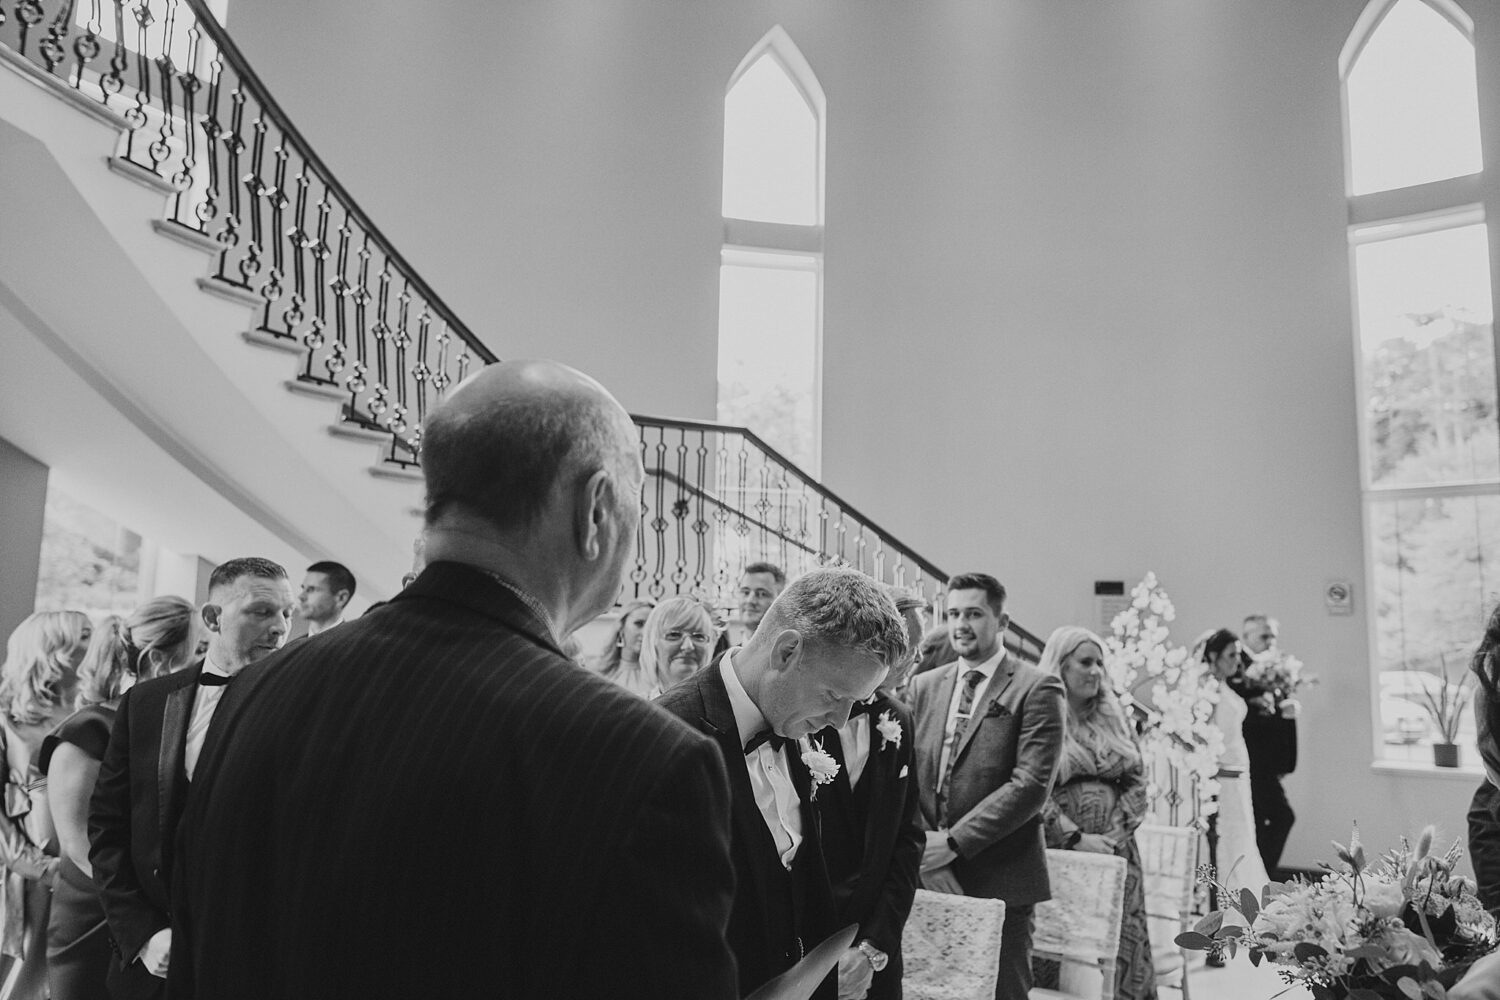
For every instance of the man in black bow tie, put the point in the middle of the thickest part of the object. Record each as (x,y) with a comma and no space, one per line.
(152,755)
(824,645)
(989,742)
(872,841)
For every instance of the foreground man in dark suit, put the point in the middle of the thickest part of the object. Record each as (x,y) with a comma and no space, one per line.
(825,644)
(872,840)
(433,801)
(152,756)
(989,740)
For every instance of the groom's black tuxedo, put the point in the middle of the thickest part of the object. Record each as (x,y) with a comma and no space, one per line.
(872,839)
(133,815)
(778,915)
(432,801)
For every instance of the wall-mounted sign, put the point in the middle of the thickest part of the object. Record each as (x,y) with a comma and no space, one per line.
(1338,597)
(1109,600)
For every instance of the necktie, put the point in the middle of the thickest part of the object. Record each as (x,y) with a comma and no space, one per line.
(972,680)
(765,736)
(206,679)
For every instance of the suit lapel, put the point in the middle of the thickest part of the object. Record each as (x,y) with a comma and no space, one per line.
(878,781)
(176,712)
(718,720)
(998,683)
(937,726)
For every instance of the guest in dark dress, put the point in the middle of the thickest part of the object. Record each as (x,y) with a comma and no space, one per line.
(158,637)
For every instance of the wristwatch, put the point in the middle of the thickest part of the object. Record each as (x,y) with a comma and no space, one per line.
(877,957)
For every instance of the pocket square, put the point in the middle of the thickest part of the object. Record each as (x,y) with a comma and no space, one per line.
(904,770)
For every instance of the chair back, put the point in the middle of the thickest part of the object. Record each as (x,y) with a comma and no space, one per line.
(1169,866)
(951,947)
(1079,927)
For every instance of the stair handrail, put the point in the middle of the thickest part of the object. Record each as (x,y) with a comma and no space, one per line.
(176,90)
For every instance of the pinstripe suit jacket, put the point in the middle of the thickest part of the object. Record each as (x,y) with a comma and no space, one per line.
(432,801)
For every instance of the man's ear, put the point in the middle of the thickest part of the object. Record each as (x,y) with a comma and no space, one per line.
(1004,621)
(786,649)
(211,613)
(593,507)
(342,599)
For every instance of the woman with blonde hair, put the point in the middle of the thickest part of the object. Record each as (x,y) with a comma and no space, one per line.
(157,638)
(1100,795)
(621,662)
(37,683)
(678,641)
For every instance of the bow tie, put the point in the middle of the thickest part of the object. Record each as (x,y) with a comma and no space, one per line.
(206,679)
(869,708)
(763,738)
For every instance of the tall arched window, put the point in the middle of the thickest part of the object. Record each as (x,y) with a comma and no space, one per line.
(771,272)
(1429,436)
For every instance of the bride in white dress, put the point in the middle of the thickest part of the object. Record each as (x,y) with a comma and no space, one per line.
(1239,862)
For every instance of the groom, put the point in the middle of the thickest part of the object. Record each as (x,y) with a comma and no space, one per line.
(825,644)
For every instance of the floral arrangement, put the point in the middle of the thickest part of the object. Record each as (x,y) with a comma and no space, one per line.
(1403,928)
(1177,706)
(890,730)
(1271,680)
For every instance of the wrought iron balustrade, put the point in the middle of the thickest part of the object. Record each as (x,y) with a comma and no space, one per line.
(288,239)
(247,185)
(717,498)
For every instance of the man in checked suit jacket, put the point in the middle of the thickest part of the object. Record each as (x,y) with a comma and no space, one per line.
(152,754)
(989,740)
(433,801)
(825,643)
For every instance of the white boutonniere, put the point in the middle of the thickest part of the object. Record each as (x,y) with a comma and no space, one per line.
(819,763)
(890,730)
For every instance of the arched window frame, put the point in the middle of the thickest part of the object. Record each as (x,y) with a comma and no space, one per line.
(800,245)
(1430,207)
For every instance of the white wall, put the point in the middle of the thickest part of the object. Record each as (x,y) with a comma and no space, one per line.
(1094,251)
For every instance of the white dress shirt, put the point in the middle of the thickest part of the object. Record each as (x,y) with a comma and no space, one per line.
(775,795)
(950,732)
(855,739)
(205,701)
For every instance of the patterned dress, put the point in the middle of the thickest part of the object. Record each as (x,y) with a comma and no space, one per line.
(1101,788)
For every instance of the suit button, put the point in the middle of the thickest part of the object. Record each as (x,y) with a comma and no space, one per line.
(156,873)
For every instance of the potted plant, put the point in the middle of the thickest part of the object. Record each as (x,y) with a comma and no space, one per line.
(1446,701)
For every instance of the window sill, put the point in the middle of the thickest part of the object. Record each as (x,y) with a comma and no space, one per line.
(1469,774)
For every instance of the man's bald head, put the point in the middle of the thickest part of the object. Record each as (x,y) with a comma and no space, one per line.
(499,446)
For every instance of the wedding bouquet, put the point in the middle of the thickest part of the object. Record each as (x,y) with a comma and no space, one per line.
(1403,928)
(1271,679)
(1164,683)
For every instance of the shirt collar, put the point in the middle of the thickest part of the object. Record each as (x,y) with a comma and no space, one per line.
(210,667)
(987,667)
(747,718)
(530,602)
(315,629)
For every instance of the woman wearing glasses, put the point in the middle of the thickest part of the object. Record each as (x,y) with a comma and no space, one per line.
(679,640)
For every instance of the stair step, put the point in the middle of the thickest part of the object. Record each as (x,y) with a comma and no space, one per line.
(354,432)
(398,473)
(139,174)
(287,345)
(233,293)
(186,235)
(318,390)
(59,88)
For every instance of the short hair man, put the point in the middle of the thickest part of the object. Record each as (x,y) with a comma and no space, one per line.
(989,741)
(326,590)
(823,645)
(760,584)
(872,841)
(1271,740)
(584,834)
(152,756)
